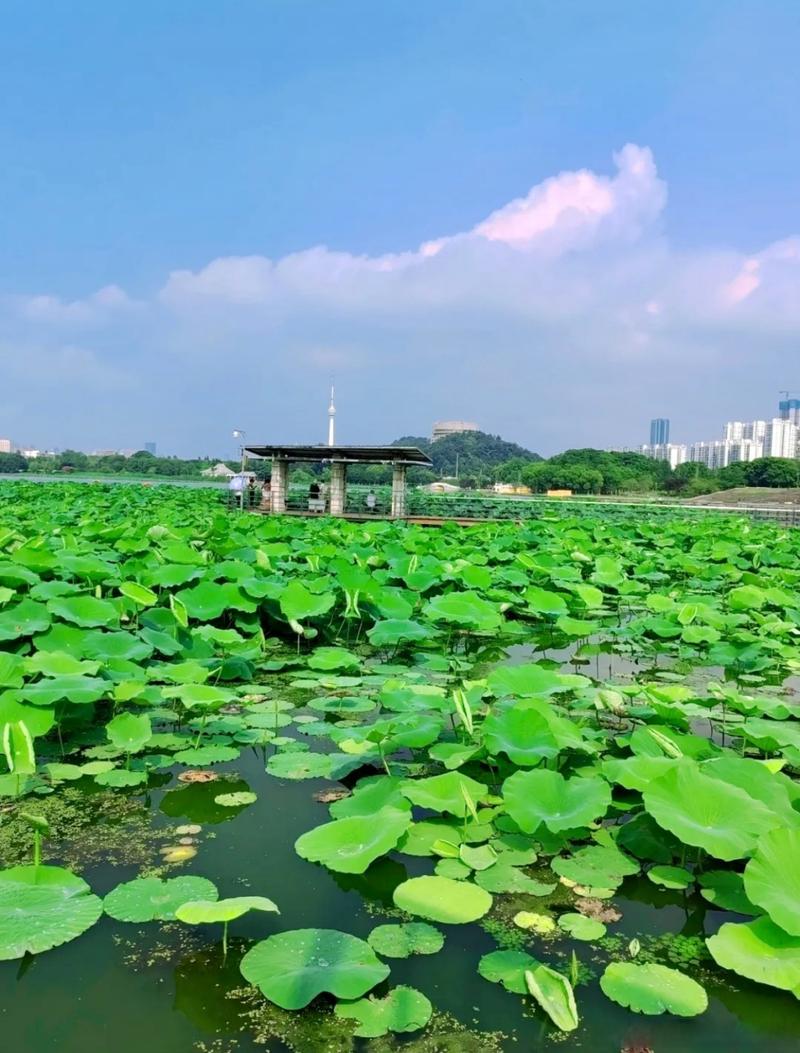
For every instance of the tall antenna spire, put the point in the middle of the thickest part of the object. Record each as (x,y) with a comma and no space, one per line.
(332,418)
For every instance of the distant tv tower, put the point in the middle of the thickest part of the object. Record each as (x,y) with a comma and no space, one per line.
(332,419)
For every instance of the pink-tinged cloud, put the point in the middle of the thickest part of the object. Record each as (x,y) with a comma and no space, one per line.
(577,202)
(745,282)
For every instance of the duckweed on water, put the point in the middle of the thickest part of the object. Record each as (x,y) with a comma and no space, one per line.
(86,829)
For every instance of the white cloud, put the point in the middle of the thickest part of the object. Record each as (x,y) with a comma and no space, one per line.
(97,307)
(565,315)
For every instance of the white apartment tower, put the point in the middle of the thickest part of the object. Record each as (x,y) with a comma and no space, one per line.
(780,439)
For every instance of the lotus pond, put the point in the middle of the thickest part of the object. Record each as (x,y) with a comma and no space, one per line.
(309,785)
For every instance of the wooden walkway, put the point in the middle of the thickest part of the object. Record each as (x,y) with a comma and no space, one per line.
(366,517)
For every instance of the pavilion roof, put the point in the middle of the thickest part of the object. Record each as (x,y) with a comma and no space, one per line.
(408,455)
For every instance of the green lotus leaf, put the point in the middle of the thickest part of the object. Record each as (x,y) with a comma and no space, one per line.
(772,878)
(503,877)
(12,669)
(653,989)
(129,732)
(59,663)
(580,927)
(330,658)
(85,611)
(541,924)
(43,907)
(707,813)
(209,600)
(446,793)
(446,849)
(212,911)
(453,754)
(554,994)
(300,765)
(402,1010)
(64,772)
(542,601)
(577,627)
(772,788)
(452,868)
(394,631)
(466,610)
(725,890)
(607,572)
(421,837)
(121,645)
(479,857)
(344,705)
(539,797)
(199,756)
(38,720)
(140,594)
(644,838)
(238,799)
(588,595)
(199,696)
(156,899)
(292,968)
(119,778)
(670,877)
(637,772)
(97,767)
(298,604)
(601,866)
(349,845)
(442,899)
(531,680)
(507,968)
(517,850)
(18,749)
(23,619)
(78,689)
(523,734)
(371,795)
(746,597)
(401,941)
(760,951)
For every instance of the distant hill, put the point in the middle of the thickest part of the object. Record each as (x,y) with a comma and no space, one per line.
(477,452)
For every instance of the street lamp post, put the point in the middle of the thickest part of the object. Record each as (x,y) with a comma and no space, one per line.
(239,434)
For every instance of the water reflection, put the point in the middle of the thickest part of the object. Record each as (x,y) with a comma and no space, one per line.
(377,883)
(197,801)
(202,982)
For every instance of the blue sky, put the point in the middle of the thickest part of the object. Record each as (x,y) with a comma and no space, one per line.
(205,211)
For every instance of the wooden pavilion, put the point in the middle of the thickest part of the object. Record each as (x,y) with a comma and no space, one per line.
(401,458)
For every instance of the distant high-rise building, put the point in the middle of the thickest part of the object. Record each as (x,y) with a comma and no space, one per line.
(5,445)
(780,439)
(747,441)
(150,447)
(443,428)
(666,451)
(736,430)
(789,409)
(659,431)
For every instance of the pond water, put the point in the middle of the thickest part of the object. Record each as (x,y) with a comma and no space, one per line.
(161,987)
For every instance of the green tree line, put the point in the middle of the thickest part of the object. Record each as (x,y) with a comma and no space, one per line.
(139,463)
(482,460)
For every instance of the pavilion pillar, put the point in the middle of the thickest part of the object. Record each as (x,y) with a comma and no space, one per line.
(399,491)
(338,488)
(279,485)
